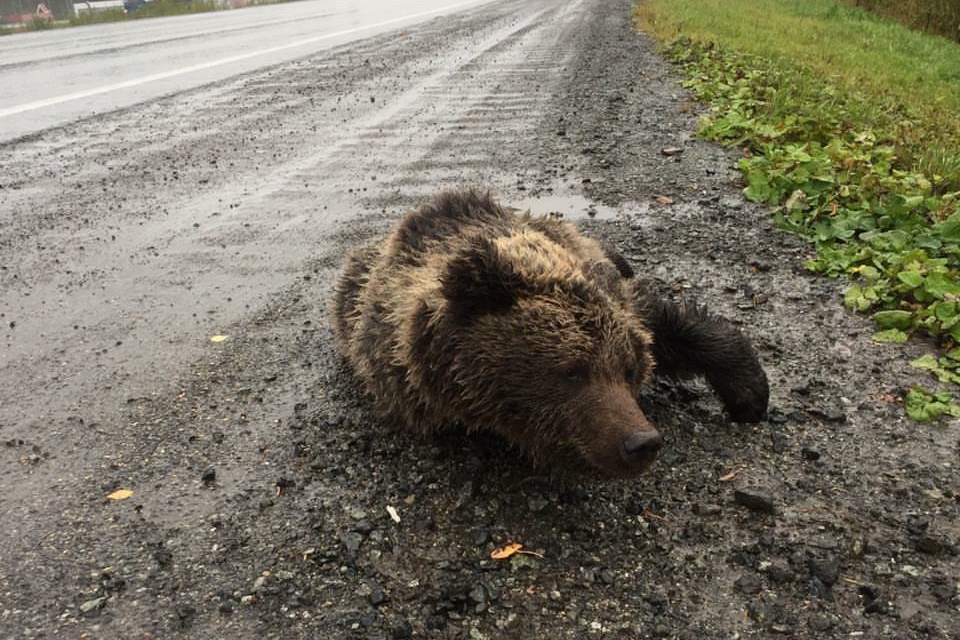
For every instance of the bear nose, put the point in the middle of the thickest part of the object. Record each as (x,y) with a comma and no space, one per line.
(641,447)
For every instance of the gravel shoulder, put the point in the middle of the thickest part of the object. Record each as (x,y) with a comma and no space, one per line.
(261,481)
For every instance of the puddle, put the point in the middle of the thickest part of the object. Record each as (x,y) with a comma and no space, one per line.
(571,207)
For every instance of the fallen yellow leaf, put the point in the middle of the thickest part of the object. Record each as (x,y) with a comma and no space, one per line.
(218,338)
(730,476)
(120,494)
(506,551)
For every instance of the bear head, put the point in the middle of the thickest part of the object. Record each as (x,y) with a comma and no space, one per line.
(528,343)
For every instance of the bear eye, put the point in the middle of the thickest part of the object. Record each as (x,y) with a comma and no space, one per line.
(576,373)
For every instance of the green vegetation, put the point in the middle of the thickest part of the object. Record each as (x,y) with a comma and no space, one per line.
(848,125)
(941,17)
(160,8)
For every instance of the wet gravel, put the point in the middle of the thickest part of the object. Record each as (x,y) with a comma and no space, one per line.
(268,503)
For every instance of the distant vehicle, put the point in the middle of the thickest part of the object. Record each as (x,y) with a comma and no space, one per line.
(129,6)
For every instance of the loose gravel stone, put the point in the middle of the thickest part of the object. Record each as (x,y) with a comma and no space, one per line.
(755,499)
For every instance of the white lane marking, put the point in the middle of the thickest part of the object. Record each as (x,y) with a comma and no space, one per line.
(48,102)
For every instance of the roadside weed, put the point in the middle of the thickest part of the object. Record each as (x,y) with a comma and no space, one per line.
(871,181)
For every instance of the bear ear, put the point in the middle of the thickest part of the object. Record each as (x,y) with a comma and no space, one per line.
(478,280)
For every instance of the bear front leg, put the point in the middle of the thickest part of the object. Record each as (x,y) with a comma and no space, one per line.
(688,342)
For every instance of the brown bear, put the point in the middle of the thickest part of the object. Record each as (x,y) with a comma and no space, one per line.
(474,316)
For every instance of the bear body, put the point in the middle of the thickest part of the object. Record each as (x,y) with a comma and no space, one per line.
(472,316)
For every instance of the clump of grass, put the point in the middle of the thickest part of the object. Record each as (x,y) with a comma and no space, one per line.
(160,8)
(98,17)
(940,17)
(869,175)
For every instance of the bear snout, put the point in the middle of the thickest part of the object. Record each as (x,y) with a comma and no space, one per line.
(640,448)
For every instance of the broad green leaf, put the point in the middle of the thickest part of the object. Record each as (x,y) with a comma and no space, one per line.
(890,335)
(912,279)
(893,319)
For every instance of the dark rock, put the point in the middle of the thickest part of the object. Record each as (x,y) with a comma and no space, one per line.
(401,631)
(478,594)
(878,605)
(820,622)
(754,499)
(363,526)
(480,537)
(930,544)
(822,591)
(437,622)
(780,572)
(671,151)
(810,454)
(351,541)
(749,584)
(209,476)
(825,569)
(377,596)
(707,509)
(779,443)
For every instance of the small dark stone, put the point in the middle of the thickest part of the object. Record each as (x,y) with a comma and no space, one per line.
(437,622)
(930,544)
(820,622)
(779,443)
(810,454)
(377,596)
(401,631)
(878,605)
(780,572)
(749,584)
(185,614)
(351,541)
(820,590)
(825,569)
(707,509)
(671,151)
(209,476)
(480,537)
(478,594)
(755,500)
(163,557)
(363,526)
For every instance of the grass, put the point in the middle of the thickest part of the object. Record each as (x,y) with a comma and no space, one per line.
(848,127)
(941,17)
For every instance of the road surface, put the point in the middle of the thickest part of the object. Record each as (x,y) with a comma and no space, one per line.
(51,78)
(222,204)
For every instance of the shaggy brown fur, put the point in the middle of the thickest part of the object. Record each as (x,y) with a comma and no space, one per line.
(469,315)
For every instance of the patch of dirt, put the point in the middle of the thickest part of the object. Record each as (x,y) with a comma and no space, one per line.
(262,481)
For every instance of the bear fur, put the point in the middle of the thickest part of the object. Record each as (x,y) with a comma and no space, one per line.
(472,316)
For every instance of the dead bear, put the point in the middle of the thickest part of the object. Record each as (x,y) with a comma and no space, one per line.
(469,315)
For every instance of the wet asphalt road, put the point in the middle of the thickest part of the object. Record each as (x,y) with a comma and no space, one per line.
(130,238)
(260,479)
(54,77)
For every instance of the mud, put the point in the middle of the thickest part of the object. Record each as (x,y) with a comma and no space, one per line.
(261,480)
